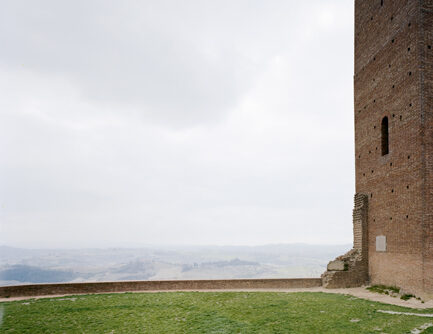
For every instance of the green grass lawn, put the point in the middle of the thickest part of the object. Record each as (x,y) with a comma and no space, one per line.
(206,312)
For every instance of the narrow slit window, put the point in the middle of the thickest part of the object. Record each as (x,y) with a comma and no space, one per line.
(385,136)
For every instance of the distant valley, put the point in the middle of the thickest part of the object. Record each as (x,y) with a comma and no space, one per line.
(25,266)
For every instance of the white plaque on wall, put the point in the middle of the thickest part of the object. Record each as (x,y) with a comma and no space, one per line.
(380,243)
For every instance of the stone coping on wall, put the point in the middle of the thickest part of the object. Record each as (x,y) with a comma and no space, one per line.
(31,290)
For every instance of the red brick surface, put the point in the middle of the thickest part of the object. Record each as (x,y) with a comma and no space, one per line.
(394,78)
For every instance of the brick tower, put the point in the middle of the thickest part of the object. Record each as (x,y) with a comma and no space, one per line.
(393,84)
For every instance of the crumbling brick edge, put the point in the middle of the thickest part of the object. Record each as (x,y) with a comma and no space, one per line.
(351,269)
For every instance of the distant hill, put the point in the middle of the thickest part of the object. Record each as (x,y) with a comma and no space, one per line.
(19,265)
(24,273)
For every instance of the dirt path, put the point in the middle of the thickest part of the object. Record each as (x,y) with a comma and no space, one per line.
(356,292)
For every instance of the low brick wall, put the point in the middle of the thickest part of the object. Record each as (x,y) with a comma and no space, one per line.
(97,287)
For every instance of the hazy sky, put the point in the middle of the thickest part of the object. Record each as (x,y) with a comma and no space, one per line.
(176,122)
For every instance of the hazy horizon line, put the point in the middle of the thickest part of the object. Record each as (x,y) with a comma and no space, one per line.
(135,246)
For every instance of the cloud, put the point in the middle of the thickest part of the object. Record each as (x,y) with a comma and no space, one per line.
(166,122)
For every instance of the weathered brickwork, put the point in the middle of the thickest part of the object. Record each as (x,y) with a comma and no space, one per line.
(394,79)
(426,78)
(351,269)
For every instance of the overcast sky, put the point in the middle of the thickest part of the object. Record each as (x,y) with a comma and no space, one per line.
(126,123)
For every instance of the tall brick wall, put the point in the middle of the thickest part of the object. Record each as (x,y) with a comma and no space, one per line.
(394,78)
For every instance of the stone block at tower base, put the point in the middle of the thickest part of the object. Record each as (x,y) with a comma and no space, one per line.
(336,265)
